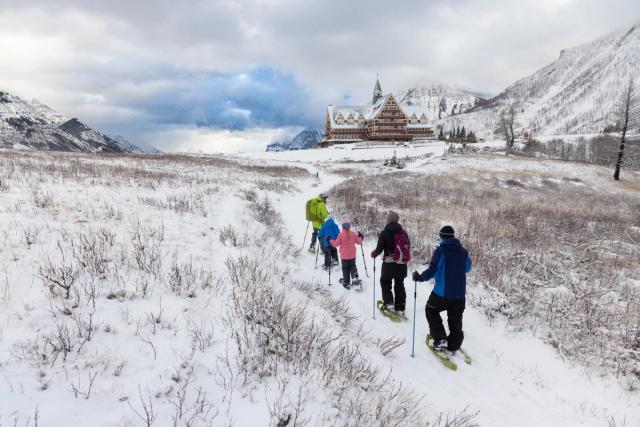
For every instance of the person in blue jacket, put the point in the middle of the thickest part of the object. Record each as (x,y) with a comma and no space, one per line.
(449,266)
(328,231)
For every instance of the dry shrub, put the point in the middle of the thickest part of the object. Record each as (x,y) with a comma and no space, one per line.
(527,245)
(275,337)
(192,202)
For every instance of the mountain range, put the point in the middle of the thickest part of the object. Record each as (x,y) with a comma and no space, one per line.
(575,94)
(33,125)
(439,101)
(308,138)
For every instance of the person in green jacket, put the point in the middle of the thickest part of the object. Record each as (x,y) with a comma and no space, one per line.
(317,213)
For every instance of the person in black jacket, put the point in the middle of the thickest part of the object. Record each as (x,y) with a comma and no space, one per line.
(449,266)
(393,243)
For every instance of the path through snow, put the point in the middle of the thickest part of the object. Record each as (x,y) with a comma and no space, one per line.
(515,379)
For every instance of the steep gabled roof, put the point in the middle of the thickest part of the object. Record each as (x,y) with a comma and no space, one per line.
(369,112)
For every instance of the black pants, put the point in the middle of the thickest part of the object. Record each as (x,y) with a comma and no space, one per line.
(314,237)
(454,308)
(329,253)
(392,272)
(349,270)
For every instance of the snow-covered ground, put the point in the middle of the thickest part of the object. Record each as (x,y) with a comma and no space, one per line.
(160,252)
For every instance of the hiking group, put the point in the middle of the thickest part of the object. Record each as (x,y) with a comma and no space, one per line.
(450,262)
(326,231)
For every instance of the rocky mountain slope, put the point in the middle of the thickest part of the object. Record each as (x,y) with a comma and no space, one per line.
(33,125)
(440,101)
(575,94)
(308,138)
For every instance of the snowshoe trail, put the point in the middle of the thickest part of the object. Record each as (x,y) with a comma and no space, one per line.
(519,380)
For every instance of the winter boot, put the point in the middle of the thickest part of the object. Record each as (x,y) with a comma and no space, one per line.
(312,249)
(388,307)
(346,285)
(440,345)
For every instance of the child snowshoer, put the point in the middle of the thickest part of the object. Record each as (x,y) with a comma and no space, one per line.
(328,231)
(449,266)
(394,244)
(346,242)
(316,212)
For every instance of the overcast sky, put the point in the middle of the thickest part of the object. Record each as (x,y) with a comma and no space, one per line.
(225,75)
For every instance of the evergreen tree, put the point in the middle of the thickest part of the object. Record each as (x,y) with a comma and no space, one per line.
(463,134)
(441,134)
(472,137)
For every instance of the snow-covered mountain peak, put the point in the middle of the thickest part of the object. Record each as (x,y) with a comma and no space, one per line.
(307,138)
(35,125)
(574,94)
(439,100)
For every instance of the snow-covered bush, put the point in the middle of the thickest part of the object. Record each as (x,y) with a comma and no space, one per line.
(559,259)
(137,313)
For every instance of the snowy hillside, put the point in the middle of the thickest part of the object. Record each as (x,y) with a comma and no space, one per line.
(33,125)
(308,138)
(172,290)
(440,101)
(575,94)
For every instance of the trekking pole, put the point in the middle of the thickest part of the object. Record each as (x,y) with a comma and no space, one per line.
(415,298)
(374,288)
(330,268)
(305,234)
(364,260)
(317,252)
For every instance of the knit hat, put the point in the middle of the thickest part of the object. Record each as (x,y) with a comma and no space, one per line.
(324,196)
(447,232)
(393,217)
(346,222)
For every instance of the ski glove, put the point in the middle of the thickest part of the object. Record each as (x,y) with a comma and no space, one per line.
(360,235)
(416,277)
(373,254)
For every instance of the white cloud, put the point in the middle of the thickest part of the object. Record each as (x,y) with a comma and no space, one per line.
(216,141)
(116,52)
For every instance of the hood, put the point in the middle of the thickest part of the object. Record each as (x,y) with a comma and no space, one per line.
(331,223)
(451,243)
(393,227)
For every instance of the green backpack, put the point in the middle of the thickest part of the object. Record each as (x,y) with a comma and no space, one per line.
(311,204)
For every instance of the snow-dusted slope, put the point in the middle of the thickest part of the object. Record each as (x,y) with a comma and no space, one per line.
(574,94)
(440,101)
(34,125)
(192,303)
(308,138)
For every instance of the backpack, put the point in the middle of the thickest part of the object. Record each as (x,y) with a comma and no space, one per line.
(311,204)
(401,253)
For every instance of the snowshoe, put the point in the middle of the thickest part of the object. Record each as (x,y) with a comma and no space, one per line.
(442,354)
(401,314)
(345,285)
(465,356)
(357,284)
(388,311)
(312,249)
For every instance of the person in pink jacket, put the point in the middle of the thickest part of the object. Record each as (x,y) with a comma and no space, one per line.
(346,244)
